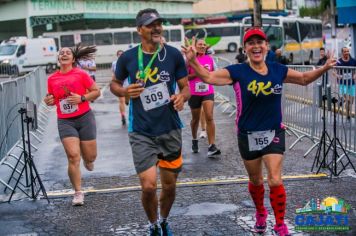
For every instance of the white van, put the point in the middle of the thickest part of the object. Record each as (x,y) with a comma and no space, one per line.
(20,54)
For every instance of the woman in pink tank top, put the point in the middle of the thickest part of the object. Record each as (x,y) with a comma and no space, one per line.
(202,95)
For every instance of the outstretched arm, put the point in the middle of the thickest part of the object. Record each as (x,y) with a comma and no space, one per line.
(218,77)
(305,78)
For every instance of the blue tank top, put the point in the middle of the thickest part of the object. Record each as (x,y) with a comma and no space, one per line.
(258,97)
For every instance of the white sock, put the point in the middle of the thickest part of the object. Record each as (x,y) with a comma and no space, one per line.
(161,219)
(154,223)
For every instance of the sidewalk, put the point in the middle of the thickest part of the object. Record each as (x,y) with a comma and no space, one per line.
(212,196)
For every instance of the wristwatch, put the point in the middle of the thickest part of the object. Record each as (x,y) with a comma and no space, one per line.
(83,98)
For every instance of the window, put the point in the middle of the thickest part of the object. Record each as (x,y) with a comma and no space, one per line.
(214,32)
(200,33)
(21,50)
(189,33)
(7,50)
(57,43)
(176,36)
(264,21)
(136,37)
(166,35)
(230,31)
(274,36)
(87,39)
(122,38)
(103,39)
(67,40)
(290,31)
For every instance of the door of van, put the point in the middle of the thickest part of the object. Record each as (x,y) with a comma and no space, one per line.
(21,58)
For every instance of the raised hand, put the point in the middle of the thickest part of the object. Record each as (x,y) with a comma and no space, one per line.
(189,49)
(331,62)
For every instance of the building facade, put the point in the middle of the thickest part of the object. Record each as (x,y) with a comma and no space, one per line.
(33,17)
(235,6)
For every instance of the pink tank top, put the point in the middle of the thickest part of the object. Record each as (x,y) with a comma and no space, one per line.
(196,85)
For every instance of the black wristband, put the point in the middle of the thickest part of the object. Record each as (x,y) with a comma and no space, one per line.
(83,98)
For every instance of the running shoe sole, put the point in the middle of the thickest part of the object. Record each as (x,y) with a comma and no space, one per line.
(215,153)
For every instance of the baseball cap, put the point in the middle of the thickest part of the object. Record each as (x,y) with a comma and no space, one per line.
(254,32)
(150,15)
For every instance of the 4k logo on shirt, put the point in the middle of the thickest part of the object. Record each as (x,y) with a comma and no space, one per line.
(260,87)
(150,75)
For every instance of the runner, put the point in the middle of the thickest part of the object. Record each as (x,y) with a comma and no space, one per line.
(346,80)
(202,96)
(154,69)
(89,66)
(261,136)
(122,101)
(70,89)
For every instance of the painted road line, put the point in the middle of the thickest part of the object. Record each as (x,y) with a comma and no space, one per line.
(69,192)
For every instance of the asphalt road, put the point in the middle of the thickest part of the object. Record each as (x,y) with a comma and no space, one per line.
(212,196)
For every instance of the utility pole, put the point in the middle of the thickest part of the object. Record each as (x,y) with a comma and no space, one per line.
(333,26)
(334,44)
(257,9)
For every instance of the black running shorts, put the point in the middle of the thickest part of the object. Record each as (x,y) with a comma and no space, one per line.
(196,101)
(277,146)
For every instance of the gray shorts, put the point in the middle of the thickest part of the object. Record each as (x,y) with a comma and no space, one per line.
(82,127)
(164,150)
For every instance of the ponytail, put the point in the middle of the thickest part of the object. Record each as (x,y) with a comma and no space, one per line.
(83,52)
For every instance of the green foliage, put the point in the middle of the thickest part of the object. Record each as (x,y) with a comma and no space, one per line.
(314,11)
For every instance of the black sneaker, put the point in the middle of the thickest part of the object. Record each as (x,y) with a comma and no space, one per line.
(123,121)
(155,230)
(213,150)
(166,230)
(195,147)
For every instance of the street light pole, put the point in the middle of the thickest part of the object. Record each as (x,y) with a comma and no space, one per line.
(334,44)
(257,9)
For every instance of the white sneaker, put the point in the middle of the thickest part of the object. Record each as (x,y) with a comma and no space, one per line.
(78,199)
(203,134)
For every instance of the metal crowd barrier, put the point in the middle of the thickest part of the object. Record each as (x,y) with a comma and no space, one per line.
(303,106)
(103,72)
(13,95)
(225,95)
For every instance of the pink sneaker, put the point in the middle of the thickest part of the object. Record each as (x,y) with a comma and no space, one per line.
(78,199)
(261,226)
(281,230)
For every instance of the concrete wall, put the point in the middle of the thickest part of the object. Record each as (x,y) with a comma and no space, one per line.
(13,10)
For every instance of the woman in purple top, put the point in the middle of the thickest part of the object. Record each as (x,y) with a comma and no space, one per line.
(258,87)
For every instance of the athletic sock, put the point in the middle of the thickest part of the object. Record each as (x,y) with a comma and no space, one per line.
(154,223)
(257,193)
(278,198)
(161,220)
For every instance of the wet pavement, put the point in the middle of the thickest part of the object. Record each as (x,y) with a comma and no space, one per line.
(212,196)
